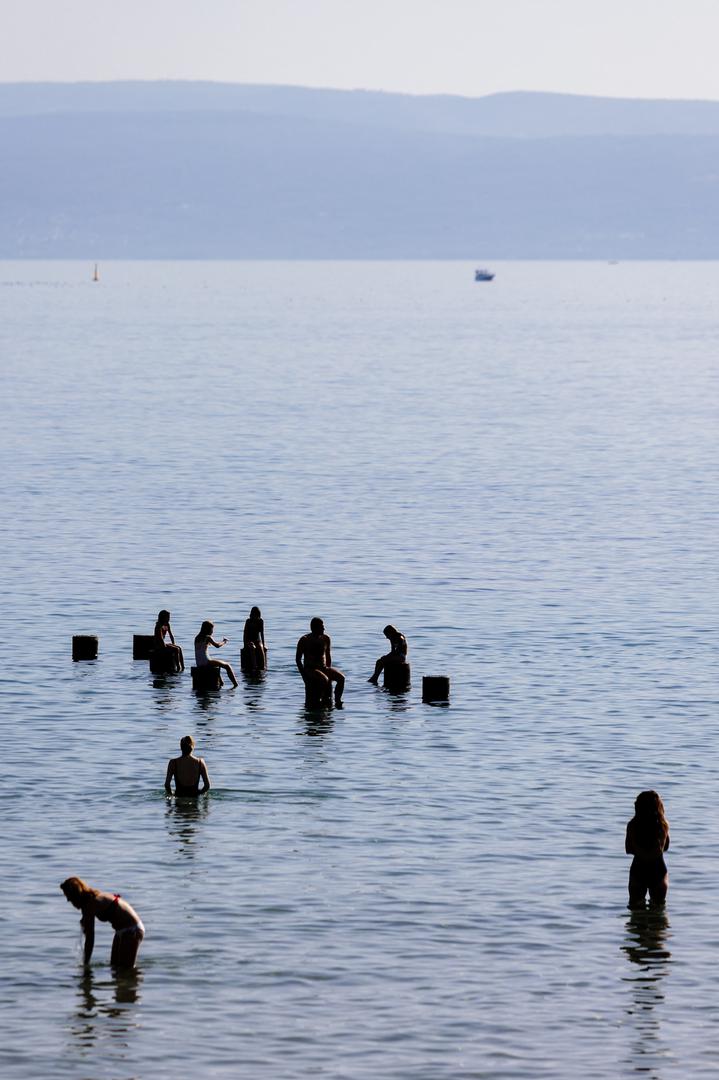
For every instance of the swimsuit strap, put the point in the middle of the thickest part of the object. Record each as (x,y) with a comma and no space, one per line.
(116,897)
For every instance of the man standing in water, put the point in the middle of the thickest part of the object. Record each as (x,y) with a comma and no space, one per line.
(187,771)
(314,661)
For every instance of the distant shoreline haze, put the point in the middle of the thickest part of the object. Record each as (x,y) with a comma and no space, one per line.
(210,170)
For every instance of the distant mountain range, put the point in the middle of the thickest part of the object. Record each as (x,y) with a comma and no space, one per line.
(209,170)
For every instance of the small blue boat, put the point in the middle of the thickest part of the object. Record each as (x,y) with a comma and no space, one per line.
(483,275)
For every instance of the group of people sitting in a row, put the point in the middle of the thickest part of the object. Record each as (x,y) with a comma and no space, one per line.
(313,656)
(647,839)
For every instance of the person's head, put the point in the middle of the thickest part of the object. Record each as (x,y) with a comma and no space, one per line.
(206,629)
(391,632)
(649,819)
(187,744)
(255,613)
(163,617)
(77,891)
(648,804)
(317,626)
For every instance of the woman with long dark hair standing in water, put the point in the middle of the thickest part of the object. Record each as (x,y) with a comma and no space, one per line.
(647,839)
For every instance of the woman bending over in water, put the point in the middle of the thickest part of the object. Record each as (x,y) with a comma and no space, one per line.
(163,630)
(647,840)
(107,907)
(202,642)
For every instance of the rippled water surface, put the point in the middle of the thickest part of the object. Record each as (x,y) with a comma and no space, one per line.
(522,476)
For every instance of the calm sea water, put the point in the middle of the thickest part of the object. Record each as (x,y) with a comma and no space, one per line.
(523,477)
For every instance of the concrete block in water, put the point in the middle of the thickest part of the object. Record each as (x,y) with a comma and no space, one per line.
(84,647)
(396,677)
(164,662)
(207,677)
(247,660)
(318,695)
(142,646)
(435,688)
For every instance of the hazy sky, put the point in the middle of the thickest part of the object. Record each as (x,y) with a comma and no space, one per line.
(633,48)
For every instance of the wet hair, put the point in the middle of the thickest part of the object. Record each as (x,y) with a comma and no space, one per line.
(163,617)
(316,623)
(78,891)
(206,628)
(187,744)
(390,631)
(255,613)
(649,822)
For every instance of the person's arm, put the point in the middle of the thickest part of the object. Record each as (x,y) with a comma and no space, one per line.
(170,774)
(246,633)
(170,634)
(328,651)
(262,634)
(629,841)
(299,655)
(205,777)
(88,929)
(666,843)
(217,644)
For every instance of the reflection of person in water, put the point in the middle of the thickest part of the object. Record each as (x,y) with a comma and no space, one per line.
(645,946)
(107,907)
(314,661)
(187,771)
(647,839)
(396,655)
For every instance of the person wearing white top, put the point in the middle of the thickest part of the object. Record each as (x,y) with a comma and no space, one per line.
(202,642)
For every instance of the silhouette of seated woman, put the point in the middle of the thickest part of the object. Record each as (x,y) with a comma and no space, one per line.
(164,630)
(396,655)
(253,639)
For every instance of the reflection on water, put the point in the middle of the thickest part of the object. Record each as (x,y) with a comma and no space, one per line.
(183,815)
(103,1000)
(645,947)
(253,685)
(204,700)
(166,689)
(316,722)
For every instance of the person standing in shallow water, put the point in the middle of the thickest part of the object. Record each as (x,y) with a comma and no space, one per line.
(202,642)
(187,771)
(396,655)
(111,908)
(314,660)
(647,839)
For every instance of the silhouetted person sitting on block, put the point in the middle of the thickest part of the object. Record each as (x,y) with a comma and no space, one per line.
(314,661)
(163,630)
(647,840)
(396,655)
(202,642)
(187,771)
(253,639)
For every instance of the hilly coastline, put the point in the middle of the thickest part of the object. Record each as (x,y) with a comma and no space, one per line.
(205,170)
